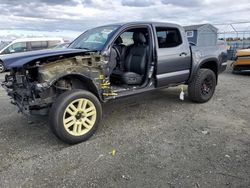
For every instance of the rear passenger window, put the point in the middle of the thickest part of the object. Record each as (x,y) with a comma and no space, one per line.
(38,45)
(168,37)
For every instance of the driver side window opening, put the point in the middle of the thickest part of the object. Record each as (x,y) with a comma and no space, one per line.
(129,58)
(127,38)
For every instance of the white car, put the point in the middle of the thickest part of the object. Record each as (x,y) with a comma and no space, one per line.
(27,44)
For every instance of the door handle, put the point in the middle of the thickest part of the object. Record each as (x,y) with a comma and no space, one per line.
(183,54)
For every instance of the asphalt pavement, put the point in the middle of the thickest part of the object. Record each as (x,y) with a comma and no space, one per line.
(148,140)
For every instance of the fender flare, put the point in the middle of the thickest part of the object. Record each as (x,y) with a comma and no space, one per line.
(199,65)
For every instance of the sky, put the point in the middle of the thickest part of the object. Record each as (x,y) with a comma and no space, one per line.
(71,17)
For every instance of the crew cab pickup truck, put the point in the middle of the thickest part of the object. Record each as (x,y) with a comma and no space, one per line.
(107,63)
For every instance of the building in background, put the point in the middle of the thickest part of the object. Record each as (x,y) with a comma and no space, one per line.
(202,35)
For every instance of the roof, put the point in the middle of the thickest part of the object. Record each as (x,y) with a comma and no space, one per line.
(193,27)
(196,27)
(38,39)
(143,22)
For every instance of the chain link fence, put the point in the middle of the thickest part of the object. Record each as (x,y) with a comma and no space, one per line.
(236,35)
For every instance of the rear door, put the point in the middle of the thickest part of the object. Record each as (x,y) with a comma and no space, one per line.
(173,55)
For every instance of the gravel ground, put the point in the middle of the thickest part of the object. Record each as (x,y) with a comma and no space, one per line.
(159,140)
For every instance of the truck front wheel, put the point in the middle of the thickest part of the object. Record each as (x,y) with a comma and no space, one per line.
(75,116)
(202,87)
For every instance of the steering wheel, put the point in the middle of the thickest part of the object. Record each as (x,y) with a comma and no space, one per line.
(118,53)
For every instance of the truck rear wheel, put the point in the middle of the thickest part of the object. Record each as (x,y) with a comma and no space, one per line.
(75,116)
(202,87)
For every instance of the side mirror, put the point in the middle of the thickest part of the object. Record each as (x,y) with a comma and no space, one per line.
(106,53)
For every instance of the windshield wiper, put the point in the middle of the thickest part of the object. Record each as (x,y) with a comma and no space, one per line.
(82,48)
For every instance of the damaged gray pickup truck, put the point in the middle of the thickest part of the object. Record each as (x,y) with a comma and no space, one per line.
(103,64)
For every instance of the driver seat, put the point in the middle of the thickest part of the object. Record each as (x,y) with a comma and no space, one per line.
(135,62)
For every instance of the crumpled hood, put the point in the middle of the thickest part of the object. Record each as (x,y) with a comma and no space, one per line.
(18,60)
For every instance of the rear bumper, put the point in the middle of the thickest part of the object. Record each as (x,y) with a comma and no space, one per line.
(223,67)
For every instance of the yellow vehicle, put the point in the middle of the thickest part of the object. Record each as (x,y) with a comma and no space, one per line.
(242,62)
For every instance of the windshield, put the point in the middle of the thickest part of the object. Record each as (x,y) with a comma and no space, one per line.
(94,39)
(3,44)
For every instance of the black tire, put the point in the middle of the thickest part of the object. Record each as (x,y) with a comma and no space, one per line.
(202,87)
(2,67)
(58,111)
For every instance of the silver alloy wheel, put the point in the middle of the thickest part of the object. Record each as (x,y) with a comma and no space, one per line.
(1,68)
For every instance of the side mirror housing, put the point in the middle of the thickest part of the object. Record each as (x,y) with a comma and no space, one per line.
(106,53)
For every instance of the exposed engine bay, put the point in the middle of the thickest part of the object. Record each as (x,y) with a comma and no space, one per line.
(35,86)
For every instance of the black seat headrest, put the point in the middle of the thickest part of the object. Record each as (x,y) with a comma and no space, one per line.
(118,41)
(139,38)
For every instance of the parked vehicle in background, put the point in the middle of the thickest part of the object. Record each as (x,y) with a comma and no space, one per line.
(30,44)
(242,61)
(106,63)
(222,50)
(63,45)
(25,45)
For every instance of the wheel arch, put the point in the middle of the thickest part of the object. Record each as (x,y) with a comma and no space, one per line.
(210,63)
(80,82)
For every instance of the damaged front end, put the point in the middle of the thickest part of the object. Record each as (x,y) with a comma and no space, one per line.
(28,94)
(35,86)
